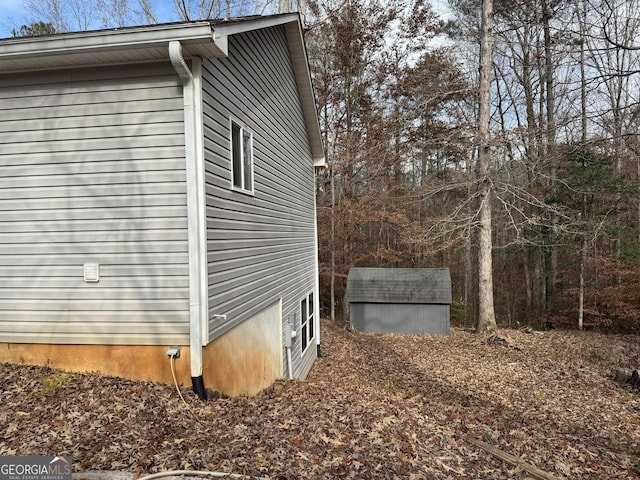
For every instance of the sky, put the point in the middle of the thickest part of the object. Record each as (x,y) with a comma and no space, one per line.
(9,9)
(13,14)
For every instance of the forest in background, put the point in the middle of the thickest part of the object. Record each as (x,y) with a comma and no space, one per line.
(398,104)
(397,91)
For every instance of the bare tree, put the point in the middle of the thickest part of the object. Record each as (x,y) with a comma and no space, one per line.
(486,314)
(146,13)
(50,11)
(198,9)
(115,13)
(81,15)
(284,6)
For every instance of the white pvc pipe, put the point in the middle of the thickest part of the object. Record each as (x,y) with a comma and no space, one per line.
(288,349)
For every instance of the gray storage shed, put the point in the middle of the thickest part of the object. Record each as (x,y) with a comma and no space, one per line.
(400,300)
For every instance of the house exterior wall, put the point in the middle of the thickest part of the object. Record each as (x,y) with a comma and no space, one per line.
(261,246)
(92,170)
(400,318)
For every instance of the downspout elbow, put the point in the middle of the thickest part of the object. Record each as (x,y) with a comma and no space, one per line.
(178,62)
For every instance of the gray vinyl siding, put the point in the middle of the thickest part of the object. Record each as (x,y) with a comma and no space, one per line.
(414,318)
(261,246)
(92,170)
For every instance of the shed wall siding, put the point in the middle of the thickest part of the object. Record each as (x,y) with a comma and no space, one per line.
(92,170)
(400,318)
(261,247)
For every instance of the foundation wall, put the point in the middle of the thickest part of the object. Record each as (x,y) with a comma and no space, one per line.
(248,358)
(243,361)
(135,362)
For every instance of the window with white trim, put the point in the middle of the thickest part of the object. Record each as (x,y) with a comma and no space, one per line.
(306,321)
(242,157)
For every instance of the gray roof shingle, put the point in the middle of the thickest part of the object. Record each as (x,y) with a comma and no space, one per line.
(399,285)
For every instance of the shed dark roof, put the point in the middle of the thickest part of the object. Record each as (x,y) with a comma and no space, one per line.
(399,285)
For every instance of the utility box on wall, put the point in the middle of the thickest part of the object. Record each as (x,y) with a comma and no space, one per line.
(400,300)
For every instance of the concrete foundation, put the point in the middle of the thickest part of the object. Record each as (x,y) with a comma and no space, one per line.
(136,362)
(248,358)
(243,361)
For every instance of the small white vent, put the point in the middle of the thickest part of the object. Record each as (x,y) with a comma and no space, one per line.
(91,272)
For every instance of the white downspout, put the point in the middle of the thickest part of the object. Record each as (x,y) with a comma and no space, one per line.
(316,297)
(196,215)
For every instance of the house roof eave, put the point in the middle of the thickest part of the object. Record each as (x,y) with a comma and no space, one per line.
(101,47)
(302,72)
(204,39)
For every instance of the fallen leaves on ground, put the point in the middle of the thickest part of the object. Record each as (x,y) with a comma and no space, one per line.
(373,407)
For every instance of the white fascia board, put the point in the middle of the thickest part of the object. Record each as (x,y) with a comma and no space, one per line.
(233,27)
(302,72)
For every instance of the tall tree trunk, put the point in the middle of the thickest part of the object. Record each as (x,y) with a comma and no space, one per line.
(529,288)
(551,152)
(583,143)
(486,314)
(539,272)
(638,179)
(583,263)
(332,243)
(302,10)
(284,6)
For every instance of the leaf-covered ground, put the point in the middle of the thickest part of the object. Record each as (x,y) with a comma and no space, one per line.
(373,407)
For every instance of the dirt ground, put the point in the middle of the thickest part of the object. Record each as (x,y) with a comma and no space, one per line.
(373,407)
